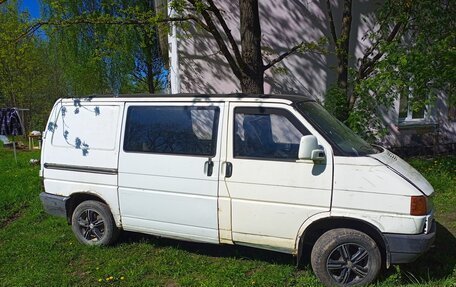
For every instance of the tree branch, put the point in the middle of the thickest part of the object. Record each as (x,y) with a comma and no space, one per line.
(367,63)
(369,51)
(212,28)
(283,56)
(138,77)
(331,21)
(103,21)
(227,31)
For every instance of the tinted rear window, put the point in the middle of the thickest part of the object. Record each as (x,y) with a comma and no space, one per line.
(172,130)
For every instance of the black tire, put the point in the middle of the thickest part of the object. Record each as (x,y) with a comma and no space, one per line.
(93,224)
(346,257)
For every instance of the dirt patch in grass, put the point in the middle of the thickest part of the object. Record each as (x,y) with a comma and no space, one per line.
(13,217)
(171,283)
(251,272)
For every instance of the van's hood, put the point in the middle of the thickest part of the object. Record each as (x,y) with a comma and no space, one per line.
(405,170)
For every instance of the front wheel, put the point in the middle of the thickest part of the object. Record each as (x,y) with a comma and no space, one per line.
(93,224)
(346,257)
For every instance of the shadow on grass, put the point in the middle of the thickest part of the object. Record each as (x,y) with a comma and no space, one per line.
(436,264)
(213,250)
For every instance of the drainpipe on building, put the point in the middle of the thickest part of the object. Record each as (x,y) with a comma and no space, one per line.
(174,75)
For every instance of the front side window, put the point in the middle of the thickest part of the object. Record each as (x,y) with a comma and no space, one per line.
(172,130)
(266,133)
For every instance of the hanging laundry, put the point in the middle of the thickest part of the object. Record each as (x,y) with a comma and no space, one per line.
(10,122)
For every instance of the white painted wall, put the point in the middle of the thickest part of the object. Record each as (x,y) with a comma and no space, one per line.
(204,69)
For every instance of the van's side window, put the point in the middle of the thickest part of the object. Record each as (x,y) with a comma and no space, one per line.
(268,133)
(172,130)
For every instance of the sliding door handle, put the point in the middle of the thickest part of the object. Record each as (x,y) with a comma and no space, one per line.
(228,169)
(209,167)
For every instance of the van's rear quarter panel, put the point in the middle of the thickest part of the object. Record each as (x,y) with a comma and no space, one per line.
(82,133)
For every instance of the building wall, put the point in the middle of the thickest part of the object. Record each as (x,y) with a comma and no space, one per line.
(202,68)
(436,133)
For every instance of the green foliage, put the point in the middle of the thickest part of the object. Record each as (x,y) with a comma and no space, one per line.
(101,54)
(84,49)
(336,101)
(23,67)
(178,6)
(412,56)
(365,119)
(319,46)
(361,119)
(372,102)
(419,65)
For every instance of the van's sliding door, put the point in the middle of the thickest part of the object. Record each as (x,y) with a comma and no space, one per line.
(169,169)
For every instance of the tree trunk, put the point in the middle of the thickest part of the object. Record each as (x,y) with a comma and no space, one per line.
(251,85)
(252,78)
(150,77)
(343,46)
(151,43)
(149,61)
(342,51)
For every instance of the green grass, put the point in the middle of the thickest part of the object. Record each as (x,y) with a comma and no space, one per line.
(40,250)
(19,183)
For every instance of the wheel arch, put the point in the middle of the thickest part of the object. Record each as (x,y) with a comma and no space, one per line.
(76,198)
(315,229)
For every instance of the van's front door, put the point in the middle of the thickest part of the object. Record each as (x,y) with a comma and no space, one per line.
(272,192)
(169,168)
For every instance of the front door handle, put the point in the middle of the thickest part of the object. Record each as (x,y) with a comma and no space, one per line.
(228,169)
(209,167)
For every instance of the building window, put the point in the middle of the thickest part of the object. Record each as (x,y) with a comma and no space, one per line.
(172,130)
(407,112)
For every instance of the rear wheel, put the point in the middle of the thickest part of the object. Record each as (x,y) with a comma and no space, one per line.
(93,224)
(346,257)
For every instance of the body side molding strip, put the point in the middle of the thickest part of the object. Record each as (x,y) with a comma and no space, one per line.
(78,168)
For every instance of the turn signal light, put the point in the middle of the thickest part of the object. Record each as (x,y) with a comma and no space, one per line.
(418,205)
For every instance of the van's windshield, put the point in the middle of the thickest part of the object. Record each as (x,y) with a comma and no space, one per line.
(344,141)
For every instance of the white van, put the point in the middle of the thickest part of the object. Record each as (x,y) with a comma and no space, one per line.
(273,172)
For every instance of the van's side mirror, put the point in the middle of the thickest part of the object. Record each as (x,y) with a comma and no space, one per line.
(309,149)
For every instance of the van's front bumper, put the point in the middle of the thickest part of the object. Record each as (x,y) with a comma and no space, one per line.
(54,204)
(405,248)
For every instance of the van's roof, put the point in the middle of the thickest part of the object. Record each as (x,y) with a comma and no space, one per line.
(240,96)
